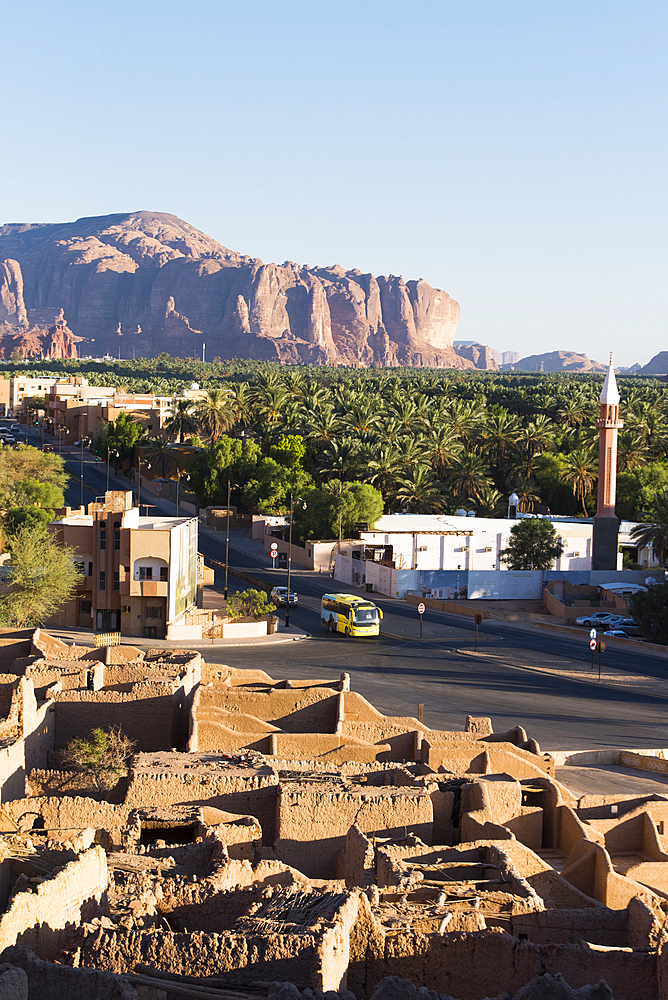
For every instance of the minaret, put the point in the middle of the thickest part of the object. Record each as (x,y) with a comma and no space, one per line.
(606,522)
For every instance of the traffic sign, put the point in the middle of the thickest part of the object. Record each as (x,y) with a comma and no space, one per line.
(421,608)
(274,546)
(477,619)
(592,634)
(592,644)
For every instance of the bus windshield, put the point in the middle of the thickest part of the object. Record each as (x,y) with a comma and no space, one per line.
(362,615)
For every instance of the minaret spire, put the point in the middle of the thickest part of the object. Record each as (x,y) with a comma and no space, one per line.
(606,522)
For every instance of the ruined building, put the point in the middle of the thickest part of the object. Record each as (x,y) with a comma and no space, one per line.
(284,839)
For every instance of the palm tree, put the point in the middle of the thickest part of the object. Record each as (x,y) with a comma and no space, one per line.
(362,416)
(341,458)
(159,453)
(490,503)
(385,469)
(442,446)
(181,423)
(420,492)
(580,472)
(321,424)
(215,413)
(656,533)
(526,491)
(469,476)
(631,451)
(499,434)
(240,403)
(537,436)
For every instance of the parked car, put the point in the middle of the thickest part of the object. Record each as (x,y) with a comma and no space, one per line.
(7,438)
(599,618)
(14,428)
(279,596)
(47,447)
(617,633)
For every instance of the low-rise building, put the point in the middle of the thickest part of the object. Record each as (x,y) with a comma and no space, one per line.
(139,573)
(460,556)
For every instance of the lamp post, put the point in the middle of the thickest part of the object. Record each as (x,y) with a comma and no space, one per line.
(287,606)
(148,466)
(178,482)
(227,534)
(110,451)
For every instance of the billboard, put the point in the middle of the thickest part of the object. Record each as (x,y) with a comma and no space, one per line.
(182,568)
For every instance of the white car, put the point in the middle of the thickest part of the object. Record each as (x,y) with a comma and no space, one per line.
(279,596)
(600,618)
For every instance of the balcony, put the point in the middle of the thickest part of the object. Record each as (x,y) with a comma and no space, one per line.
(148,588)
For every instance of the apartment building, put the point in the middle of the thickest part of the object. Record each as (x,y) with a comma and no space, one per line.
(14,390)
(140,573)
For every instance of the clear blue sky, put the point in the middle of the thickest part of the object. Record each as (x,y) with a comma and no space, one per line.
(512,152)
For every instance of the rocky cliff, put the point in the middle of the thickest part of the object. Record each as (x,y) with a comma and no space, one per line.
(35,333)
(657,366)
(558,361)
(150,282)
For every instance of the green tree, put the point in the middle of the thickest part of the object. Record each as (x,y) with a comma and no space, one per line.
(580,472)
(650,610)
(103,756)
(230,459)
(118,439)
(249,603)
(42,577)
(181,422)
(656,533)
(335,509)
(420,492)
(533,544)
(159,454)
(289,451)
(215,413)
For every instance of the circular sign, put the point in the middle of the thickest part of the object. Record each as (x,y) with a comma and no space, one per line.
(274,546)
(592,644)
(592,634)
(421,608)
(159,489)
(477,619)
(601,646)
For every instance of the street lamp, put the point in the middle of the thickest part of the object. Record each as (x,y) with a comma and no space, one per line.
(148,466)
(84,440)
(230,486)
(287,606)
(178,481)
(110,451)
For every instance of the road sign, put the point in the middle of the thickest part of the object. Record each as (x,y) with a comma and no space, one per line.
(592,644)
(274,546)
(421,608)
(601,647)
(159,489)
(477,619)
(592,634)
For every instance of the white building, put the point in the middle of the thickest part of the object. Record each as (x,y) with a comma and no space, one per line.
(452,555)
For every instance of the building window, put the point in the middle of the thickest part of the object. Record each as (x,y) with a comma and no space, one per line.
(90,569)
(163,573)
(117,535)
(102,584)
(81,568)
(103,536)
(117,581)
(153,613)
(145,572)
(85,607)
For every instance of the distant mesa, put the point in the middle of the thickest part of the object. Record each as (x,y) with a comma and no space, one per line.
(557,361)
(657,366)
(163,285)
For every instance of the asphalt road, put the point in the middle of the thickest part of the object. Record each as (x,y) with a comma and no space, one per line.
(504,680)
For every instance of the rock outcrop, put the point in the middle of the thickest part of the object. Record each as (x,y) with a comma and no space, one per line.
(151,282)
(558,361)
(35,333)
(480,355)
(657,366)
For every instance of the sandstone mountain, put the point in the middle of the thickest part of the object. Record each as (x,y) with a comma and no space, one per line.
(657,366)
(557,361)
(480,355)
(35,333)
(147,282)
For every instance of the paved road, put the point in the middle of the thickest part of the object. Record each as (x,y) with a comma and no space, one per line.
(504,680)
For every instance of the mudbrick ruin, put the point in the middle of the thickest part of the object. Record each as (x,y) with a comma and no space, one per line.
(283,839)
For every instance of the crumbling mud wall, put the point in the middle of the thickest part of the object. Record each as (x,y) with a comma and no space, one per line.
(41,919)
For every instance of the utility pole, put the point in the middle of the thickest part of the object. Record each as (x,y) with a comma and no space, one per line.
(203,350)
(287,606)
(227,532)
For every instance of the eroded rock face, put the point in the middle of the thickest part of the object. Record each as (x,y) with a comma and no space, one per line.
(35,333)
(170,287)
(559,361)
(479,354)
(657,366)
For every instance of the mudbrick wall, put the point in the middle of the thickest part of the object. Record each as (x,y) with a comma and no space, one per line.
(40,919)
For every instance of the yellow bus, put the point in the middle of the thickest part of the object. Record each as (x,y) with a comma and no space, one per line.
(349,614)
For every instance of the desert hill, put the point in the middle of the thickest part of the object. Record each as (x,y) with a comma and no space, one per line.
(557,361)
(150,282)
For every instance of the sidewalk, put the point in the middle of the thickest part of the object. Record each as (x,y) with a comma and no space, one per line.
(84,637)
